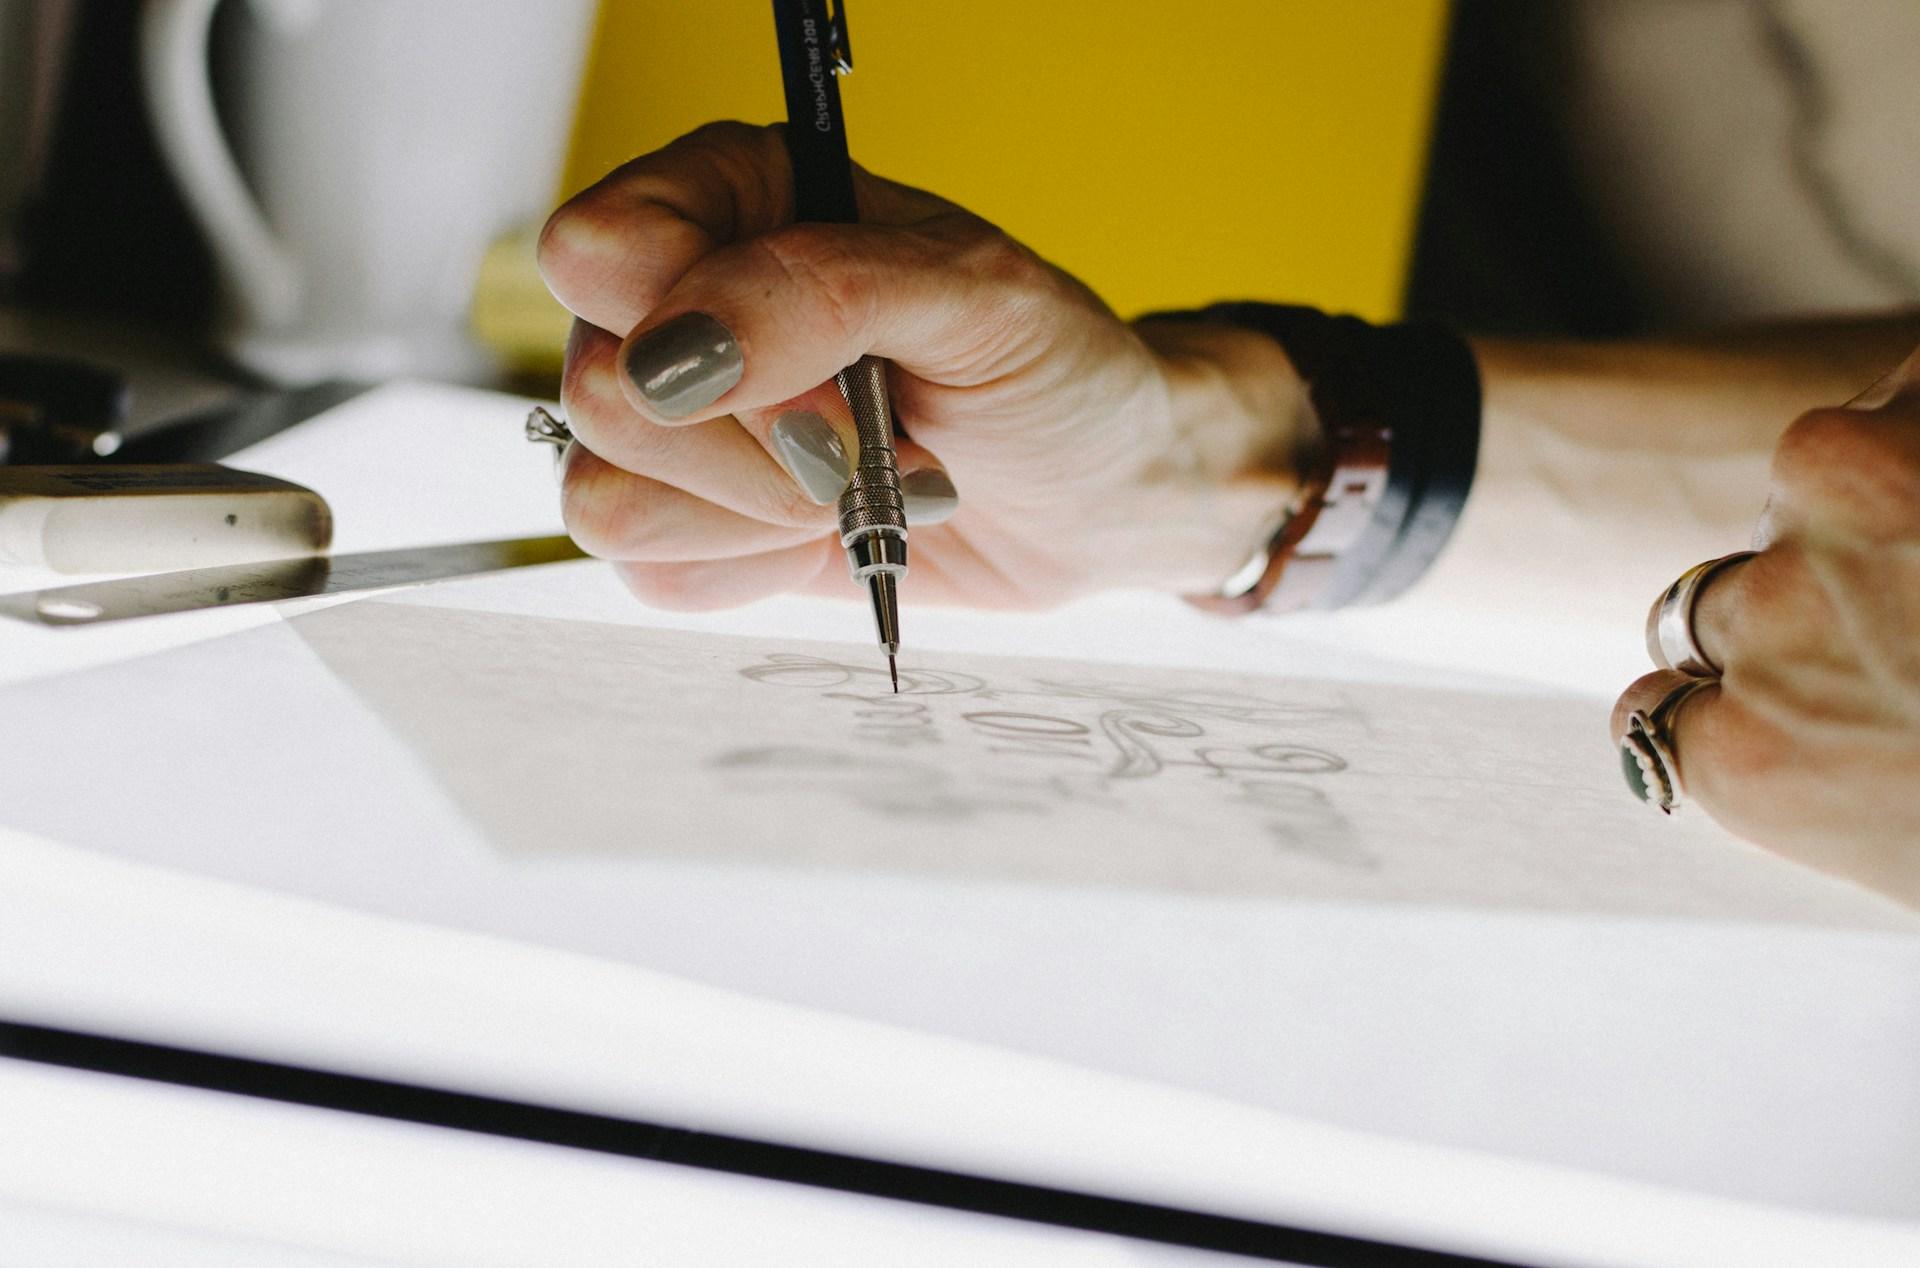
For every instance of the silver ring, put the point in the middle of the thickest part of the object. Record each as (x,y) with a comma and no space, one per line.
(1647,758)
(1670,638)
(542,428)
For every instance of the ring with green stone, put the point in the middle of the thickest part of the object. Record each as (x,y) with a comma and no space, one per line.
(1646,751)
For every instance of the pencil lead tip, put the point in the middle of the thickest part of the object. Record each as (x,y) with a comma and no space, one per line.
(893,671)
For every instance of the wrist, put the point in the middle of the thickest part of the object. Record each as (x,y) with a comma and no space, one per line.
(1399,409)
(1240,430)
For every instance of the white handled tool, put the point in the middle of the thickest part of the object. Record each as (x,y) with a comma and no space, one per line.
(112,517)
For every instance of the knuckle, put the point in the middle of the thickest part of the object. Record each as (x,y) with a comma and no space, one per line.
(726,148)
(739,155)
(591,398)
(997,263)
(1025,289)
(820,259)
(576,387)
(1818,443)
(597,250)
(991,254)
(1017,292)
(575,243)
(725,136)
(599,514)
(1752,599)
(779,503)
(1855,468)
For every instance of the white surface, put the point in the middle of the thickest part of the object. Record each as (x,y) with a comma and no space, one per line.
(1686,1091)
(97,1170)
(405,465)
(1539,1036)
(177,959)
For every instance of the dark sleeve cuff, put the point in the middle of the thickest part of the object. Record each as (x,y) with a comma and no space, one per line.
(1418,380)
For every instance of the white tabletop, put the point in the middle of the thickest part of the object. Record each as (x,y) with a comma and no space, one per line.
(1583,1085)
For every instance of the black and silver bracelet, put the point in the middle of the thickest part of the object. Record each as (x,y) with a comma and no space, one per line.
(1412,389)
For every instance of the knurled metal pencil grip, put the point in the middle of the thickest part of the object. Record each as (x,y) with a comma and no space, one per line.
(873,514)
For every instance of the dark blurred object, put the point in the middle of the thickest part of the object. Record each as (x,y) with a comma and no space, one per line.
(99,263)
(214,434)
(57,411)
(34,44)
(1507,245)
(100,229)
(54,410)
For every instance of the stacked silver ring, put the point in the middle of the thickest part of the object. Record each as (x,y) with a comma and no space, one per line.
(1670,638)
(1647,757)
(542,428)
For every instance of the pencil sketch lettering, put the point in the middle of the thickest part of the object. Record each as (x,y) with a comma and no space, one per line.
(1042,761)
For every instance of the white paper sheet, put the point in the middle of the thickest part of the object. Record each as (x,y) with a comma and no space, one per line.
(575,739)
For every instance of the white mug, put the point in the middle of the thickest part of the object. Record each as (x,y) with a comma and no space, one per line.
(377,147)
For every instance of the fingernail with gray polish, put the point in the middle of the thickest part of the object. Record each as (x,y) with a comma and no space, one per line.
(810,450)
(929,495)
(685,365)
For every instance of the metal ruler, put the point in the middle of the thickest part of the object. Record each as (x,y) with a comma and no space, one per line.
(97,602)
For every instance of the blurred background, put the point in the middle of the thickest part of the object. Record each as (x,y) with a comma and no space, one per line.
(208,199)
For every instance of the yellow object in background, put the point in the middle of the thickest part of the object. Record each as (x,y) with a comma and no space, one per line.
(1166,154)
(514,316)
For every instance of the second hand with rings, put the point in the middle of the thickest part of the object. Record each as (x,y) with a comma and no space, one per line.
(1647,755)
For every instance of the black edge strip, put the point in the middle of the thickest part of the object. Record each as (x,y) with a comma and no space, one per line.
(626,1138)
